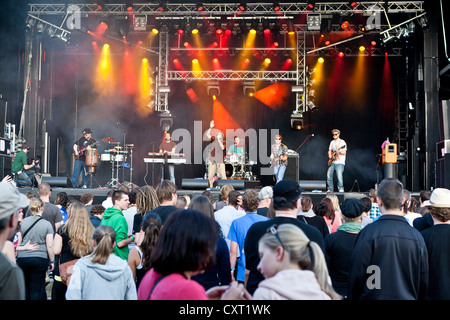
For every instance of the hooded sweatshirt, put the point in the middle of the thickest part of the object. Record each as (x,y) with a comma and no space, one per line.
(94,281)
(114,218)
(291,284)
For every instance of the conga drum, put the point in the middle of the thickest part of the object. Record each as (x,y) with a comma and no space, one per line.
(91,160)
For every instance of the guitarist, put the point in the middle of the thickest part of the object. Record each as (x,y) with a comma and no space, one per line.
(81,145)
(279,156)
(336,153)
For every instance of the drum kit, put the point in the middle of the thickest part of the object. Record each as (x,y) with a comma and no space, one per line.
(237,166)
(116,156)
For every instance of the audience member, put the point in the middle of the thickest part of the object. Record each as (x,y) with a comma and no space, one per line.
(87,199)
(107,203)
(294,267)
(375,211)
(167,197)
(114,218)
(62,202)
(51,212)
(35,263)
(185,247)
(72,241)
(367,207)
(130,212)
(265,199)
(286,203)
(389,245)
(238,232)
(96,214)
(210,196)
(183,202)
(102,275)
(220,272)
(308,214)
(227,214)
(340,244)
(139,257)
(331,217)
(12,282)
(146,200)
(409,215)
(224,191)
(336,204)
(437,240)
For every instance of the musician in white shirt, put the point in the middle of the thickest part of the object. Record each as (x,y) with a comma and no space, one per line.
(337,154)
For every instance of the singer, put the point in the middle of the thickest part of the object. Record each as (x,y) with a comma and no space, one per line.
(216,155)
(168,147)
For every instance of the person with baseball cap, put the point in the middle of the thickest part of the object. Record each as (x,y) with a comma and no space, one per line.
(286,203)
(437,240)
(83,142)
(339,245)
(12,283)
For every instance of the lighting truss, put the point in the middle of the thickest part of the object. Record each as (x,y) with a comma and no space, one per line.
(232,75)
(215,9)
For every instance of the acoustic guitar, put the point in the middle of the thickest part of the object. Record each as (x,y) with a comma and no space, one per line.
(334,155)
(82,150)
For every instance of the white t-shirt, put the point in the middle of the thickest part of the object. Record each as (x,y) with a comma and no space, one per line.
(338,144)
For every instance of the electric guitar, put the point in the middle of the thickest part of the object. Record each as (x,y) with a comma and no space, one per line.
(334,155)
(81,150)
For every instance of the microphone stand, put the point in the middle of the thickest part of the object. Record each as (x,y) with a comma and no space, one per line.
(304,141)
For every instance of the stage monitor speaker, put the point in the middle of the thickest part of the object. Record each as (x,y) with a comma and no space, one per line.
(194,184)
(309,185)
(62,182)
(237,184)
(292,169)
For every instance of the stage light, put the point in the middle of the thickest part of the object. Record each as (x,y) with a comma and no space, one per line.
(140,23)
(344,25)
(243,6)
(352,4)
(266,32)
(252,31)
(340,54)
(362,49)
(296,121)
(200,6)
(195,61)
(373,43)
(228,32)
(313,21)
(129,5)
(100,5)
(155,31)
(162,5)
(276,6)
(321,60)
(219,31)
(180,31)
(267,61)
(311,5)
(194,31)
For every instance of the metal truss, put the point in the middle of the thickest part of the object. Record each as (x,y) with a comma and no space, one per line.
(215,9)
(233,75)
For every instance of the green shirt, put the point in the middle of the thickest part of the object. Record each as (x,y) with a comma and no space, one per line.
(114,218)
(20,159)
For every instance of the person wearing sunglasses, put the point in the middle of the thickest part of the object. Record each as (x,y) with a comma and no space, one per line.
(279,157)
(337,152)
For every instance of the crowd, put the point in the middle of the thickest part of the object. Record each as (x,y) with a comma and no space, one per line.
(276,243)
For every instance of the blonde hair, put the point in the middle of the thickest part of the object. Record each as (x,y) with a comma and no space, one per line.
(335,200)
(36,205)
(104,238)
(79,228)
(300,249)
(146,199)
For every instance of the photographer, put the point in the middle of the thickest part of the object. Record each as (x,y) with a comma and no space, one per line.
(23,175)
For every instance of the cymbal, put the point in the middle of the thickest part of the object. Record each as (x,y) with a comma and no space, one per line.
(109,140)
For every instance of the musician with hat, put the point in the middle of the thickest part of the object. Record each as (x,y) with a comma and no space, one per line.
(83,143)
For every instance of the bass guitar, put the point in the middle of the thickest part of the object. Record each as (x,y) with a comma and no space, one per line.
(334,155)
(82,150)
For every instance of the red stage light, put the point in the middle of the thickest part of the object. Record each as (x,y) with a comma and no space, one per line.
(219,31)
(228,32)
(327,43)
(267,31)
(341,54)
(180,31)
(374,43)
(344,25)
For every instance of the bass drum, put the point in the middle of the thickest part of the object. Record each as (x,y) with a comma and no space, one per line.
(229,170)
(91,158)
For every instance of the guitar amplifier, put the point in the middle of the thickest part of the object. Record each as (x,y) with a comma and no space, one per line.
(293,167)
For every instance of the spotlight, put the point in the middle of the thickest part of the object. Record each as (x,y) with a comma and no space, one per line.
(352,4)
(320,60)
(101,5)
(194,31)
(340,54)
(311,5)
(243,6)
(297,121)
(166,123)
(129,5)
(200,6)
(313,21)
(362,49)
(276,6)
(162,5)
